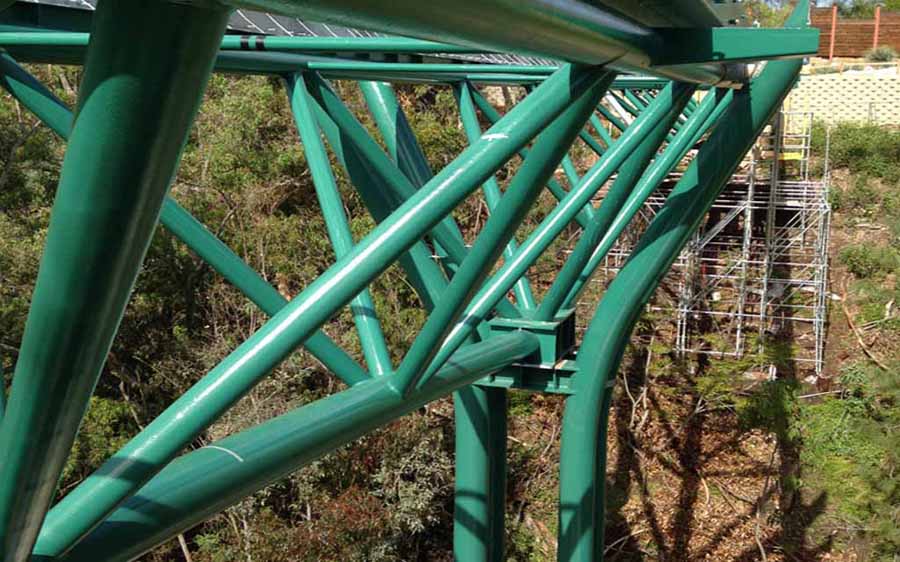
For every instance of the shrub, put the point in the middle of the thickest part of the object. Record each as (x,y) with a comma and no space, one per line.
(869,261)
(862,148)
(882,53)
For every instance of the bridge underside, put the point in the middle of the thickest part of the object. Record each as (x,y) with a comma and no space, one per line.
(146,64)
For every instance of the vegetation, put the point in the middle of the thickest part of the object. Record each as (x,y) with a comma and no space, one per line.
(882,53)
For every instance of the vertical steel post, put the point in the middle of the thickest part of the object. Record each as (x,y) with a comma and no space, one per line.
(877,26)
(834,19)
(135,108)
(582,465)
(480,496)
(479,507)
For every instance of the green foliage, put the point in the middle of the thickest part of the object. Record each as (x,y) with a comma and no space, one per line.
(882,53)
(771,407)
(851,449)
(861,148)
(857,9)
(867,261)
(107,425)
(767,13)
(520,404)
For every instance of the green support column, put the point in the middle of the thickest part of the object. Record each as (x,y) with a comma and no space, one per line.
(479,507)
(136,106)
(582,465)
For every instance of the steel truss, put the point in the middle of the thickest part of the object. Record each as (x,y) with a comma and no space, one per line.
(146,65)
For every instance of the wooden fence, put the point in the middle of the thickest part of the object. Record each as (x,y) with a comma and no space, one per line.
(853,37)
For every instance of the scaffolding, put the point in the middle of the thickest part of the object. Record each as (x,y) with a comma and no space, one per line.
(755,275)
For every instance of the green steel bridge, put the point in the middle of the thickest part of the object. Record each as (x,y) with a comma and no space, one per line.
(146,64)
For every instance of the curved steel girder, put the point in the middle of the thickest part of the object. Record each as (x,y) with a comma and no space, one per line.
(583,457)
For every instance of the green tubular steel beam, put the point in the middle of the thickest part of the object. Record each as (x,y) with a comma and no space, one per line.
(135,111)
(423,273)
(256,43)
(400,187)
(684,46)
(72,52)
(398,136)
(568,30)
(479,508)
(636,102)
(582,466)
(280,63)
(629,174)
(161,440)
(54,113)
(590,141)
(509,212)
(208,480)
(381,169)
(569,169)
(368,327)
(601,130)
(617,123)
(491,114)
(626,105)
(491,189)
(400,141)
(706,116)
(554,223)
(236,271)
(339,44)
(667,13)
